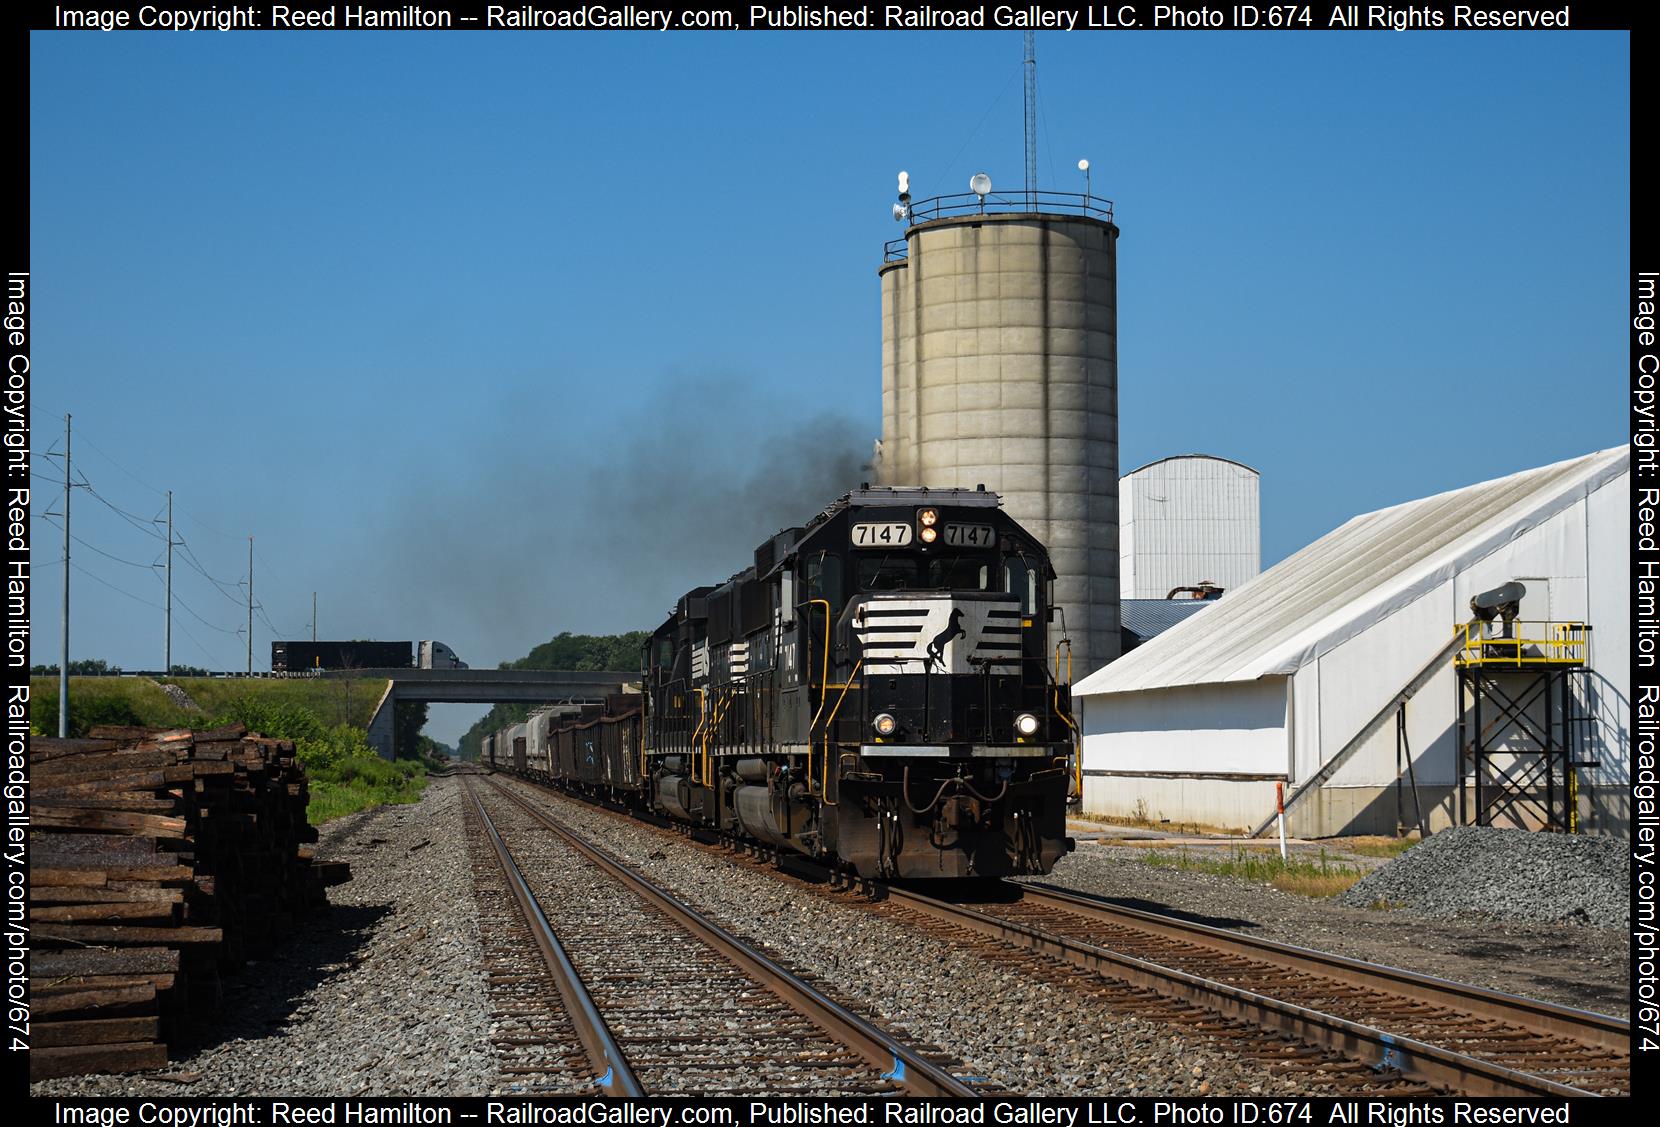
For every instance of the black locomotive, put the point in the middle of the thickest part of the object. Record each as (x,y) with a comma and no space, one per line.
(879,691)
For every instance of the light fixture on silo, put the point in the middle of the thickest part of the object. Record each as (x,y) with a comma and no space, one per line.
(1083,166)
(902,209)
(980,185)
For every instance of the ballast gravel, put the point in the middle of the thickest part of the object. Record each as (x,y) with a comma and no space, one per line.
(1583,966)
(379,995)
(1507,874)
(1022,1033)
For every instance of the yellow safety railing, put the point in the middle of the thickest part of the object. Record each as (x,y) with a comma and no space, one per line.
(711,732)
(829,724)
(823,681)
(702,719)
(1529,643)
(1055,703)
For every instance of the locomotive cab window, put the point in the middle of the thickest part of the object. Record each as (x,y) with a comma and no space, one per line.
(960,573)
(888,572)
(824,578)
(1020,577)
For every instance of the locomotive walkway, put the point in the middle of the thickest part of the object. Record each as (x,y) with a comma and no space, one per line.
(481,686)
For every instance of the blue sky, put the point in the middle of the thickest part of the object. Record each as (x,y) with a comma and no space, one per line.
(430,314)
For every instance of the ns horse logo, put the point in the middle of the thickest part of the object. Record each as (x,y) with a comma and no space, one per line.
(936,647)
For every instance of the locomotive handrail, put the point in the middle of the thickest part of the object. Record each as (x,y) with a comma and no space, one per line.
(702,718)
(1077,740)
(823,681)
(824,785)
(721,709)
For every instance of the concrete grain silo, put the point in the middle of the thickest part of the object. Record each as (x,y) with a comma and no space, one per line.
(1000,367)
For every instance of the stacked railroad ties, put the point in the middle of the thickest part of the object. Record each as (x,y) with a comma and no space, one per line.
(158,858)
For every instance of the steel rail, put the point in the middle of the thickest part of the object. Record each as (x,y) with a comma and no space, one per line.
(1600,1031)
(615,1077)
(918,1075)
(1413,1059)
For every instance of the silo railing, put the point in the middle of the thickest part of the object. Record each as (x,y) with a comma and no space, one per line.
(965,204)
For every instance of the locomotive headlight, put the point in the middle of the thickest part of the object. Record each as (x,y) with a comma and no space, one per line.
(885,724)
(928,518)
(928,535)
(1026,724)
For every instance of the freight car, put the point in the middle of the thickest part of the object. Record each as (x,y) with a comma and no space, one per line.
(880,691)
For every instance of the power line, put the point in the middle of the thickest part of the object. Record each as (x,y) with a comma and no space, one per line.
(237,632)
(118,590)
(206,525)
(239,593)
(219,585)
(144,525)
(201,649)
(119,466)
(49,519)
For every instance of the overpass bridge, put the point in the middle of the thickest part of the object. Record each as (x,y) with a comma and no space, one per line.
(480,686)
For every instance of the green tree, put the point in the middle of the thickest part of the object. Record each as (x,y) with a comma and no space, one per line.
(579,653)
(407,721)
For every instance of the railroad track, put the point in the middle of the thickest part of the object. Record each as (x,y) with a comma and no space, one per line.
(1442,1034)
(539,1047)
(648,995)
(1333,1021)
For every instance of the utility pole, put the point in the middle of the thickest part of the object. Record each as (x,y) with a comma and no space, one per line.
(63,661)
(314,616)
(1031,118)
(250,606)
(167,652)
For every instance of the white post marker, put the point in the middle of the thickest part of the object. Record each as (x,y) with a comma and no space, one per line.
(1279,801)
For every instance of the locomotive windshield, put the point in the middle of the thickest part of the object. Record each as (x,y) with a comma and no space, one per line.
(952,571)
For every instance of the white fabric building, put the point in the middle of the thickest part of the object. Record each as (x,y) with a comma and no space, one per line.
(1268,685)
(1187,520)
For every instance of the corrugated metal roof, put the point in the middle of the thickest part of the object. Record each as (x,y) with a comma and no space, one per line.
(1150,617)
(1374,564)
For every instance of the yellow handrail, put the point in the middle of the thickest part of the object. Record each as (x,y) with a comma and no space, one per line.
(702,716)
(1055,703)
(722,706)
(824,785)
(824,678)
(1551,643)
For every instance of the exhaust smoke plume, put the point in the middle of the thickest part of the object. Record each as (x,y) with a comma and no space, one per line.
(535,538)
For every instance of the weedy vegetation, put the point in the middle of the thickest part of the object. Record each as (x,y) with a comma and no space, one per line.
(325,718)
(1305,876)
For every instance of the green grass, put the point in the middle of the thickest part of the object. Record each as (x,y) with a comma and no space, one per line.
(1301,875)
(332,700)
(359,783)
(105,700)
(325,718)
(140,701)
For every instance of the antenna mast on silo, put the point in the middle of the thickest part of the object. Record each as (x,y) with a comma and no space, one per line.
(1031,116)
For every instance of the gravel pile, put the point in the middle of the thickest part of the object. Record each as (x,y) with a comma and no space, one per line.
(1585,967)
(379,995)
(1508,874)
(1025,1034)
(179,697)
